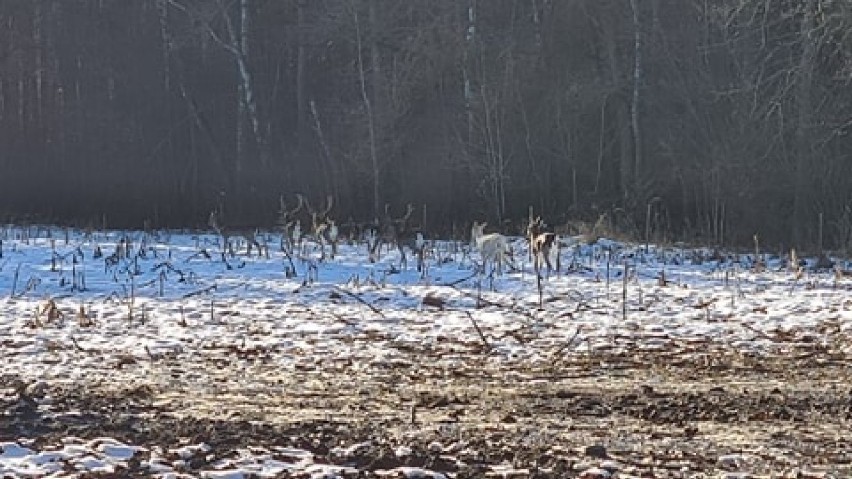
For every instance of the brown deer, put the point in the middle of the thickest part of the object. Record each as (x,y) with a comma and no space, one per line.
(219,225)
(290,225)
(397,232)
(543,245)
(323,228)
(413,238)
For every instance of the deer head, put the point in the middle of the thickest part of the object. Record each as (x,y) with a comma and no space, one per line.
(409,209)
(318,218)
(329,203)
(476,231)
(285,216)
(213,221)
(535,227)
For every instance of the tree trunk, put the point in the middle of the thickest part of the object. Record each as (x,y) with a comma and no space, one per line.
(377,80)
(239,47)
(165,39)
(244,91)
(468,67)
(301,60)
(634,104)
(39,60)
(622,113)
(21,93)
(804,110)
(328,173)
(375,167)
(494,157)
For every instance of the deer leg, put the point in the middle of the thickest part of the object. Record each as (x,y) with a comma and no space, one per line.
(545,253)
(558,251)
(252,242)
(536,256)
(403,262)
(375,249)
(230,247)
(530,238)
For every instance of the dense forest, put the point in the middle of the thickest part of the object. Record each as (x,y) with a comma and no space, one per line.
(709,120)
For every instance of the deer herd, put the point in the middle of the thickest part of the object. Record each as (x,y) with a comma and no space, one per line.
(304,229)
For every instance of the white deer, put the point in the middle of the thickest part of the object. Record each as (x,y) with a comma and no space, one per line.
(333,236)
(493,247)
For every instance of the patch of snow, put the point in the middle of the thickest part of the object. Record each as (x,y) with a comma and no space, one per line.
(11,450)
(410,473)
(187,452)
(402,451)
(94,464)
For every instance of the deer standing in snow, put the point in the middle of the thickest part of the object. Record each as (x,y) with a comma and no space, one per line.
(323,228)
(397,232)
(493,247)
(222,228)
(543,245)
(291,227)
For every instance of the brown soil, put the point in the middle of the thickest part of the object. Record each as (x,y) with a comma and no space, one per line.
(651,414)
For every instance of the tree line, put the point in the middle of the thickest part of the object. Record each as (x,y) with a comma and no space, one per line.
(697,120)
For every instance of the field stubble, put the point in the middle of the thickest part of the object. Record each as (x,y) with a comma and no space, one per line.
(675,411)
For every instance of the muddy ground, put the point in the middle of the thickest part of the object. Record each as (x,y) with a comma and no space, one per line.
(687,411)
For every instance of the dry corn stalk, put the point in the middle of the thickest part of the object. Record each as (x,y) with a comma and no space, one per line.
(50,311)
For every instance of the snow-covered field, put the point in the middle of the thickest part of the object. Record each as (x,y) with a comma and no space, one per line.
(170,359)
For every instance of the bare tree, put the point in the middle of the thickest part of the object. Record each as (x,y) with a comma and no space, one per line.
(375,168)
(237,44)
(803,163)
(636,97)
